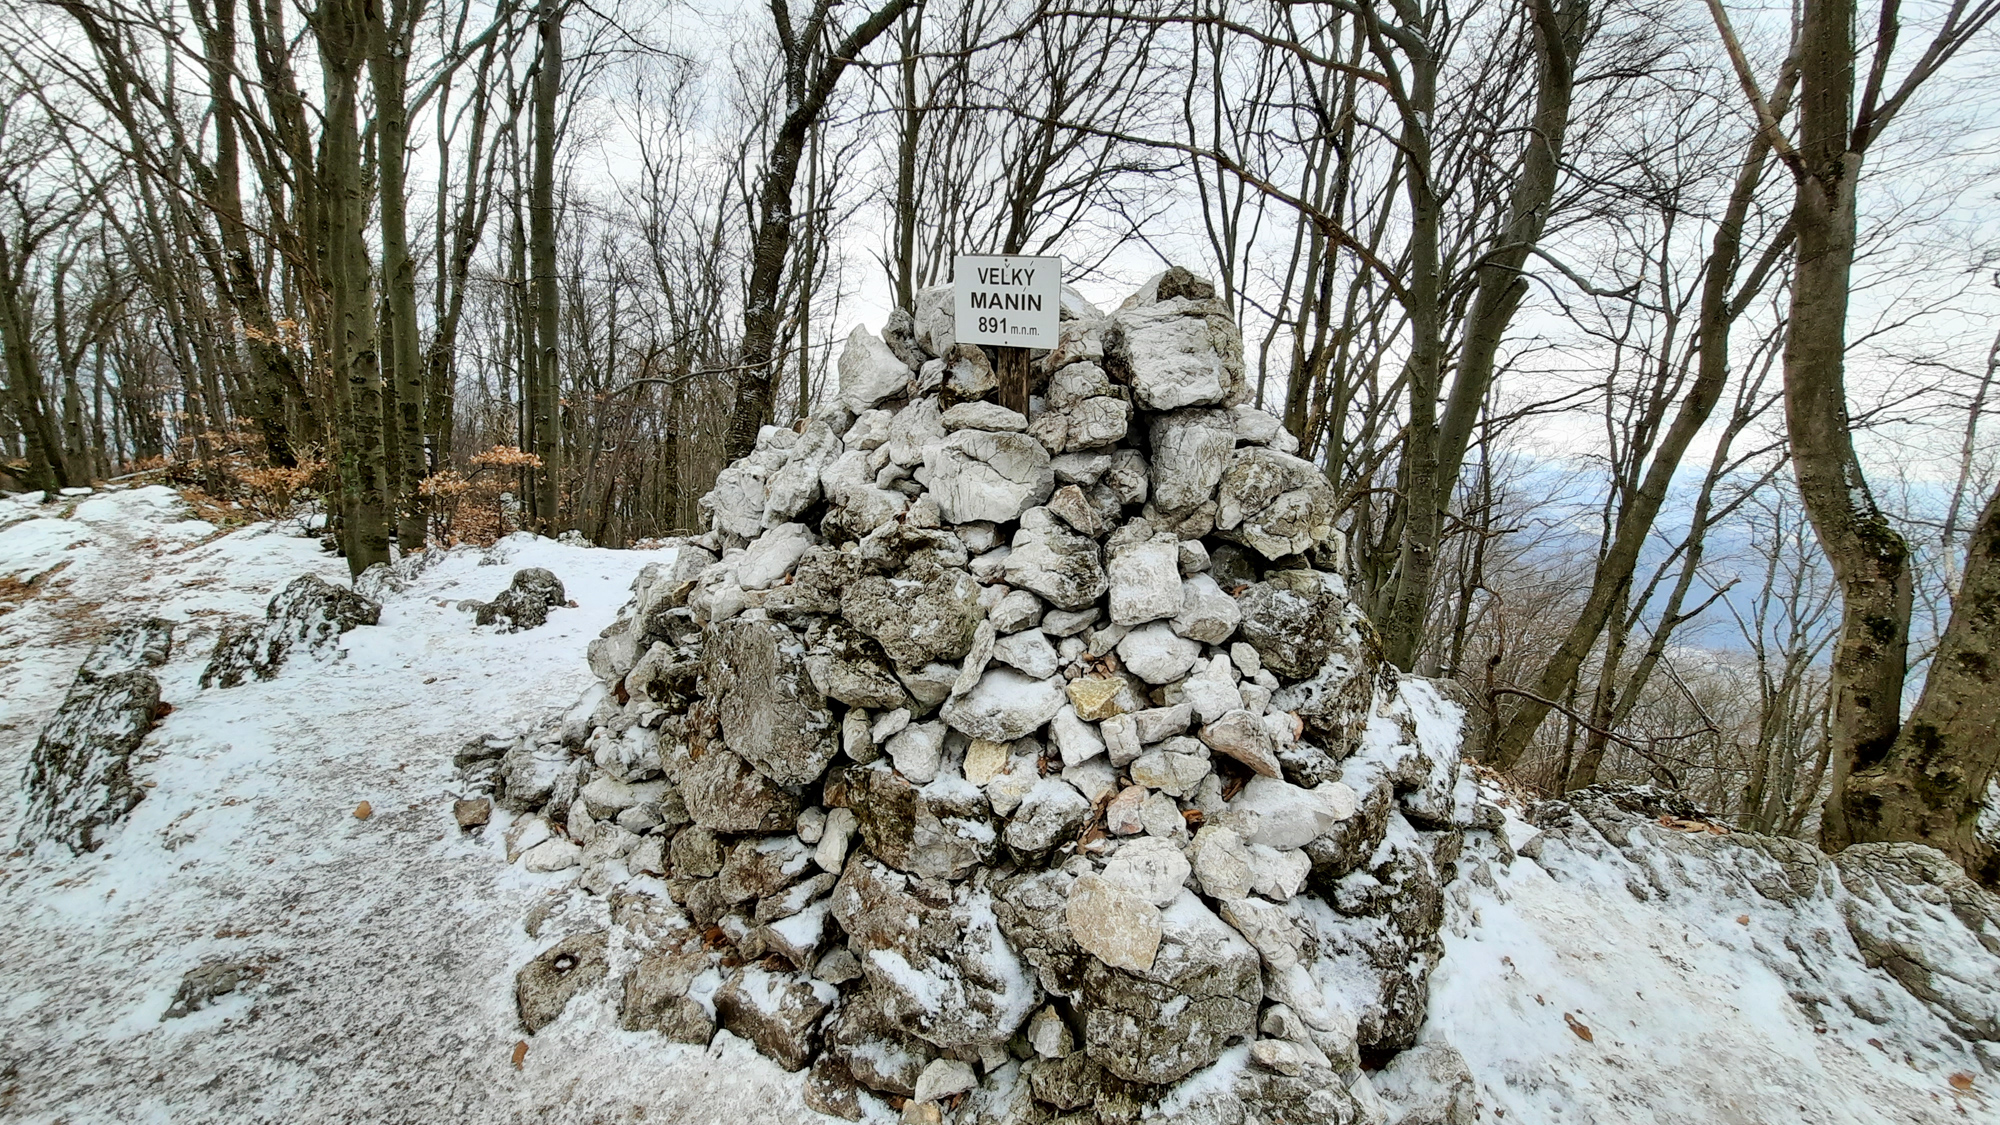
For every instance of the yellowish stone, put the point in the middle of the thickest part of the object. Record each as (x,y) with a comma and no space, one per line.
(984,760)
(1096,697)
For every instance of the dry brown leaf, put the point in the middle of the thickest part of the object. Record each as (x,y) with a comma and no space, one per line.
(363,811)
(1577,1025)
(1742,919)
(1962,1082)
(520,1053)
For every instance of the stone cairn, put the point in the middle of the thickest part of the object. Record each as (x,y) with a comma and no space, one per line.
(1010,769)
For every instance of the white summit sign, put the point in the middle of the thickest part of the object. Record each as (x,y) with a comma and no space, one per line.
(1005,300)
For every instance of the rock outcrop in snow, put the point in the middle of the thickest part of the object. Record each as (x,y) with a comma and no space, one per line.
(308,615)
(79,780)
(1905,910)
(1029,767)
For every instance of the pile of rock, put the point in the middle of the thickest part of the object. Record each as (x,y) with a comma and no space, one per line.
(1011,768)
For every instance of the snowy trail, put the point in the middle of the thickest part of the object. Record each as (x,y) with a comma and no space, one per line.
(389,945)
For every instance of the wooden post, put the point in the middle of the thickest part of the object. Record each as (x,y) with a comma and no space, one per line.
(1013,373)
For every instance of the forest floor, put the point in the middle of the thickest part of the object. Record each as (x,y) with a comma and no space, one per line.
(384,949)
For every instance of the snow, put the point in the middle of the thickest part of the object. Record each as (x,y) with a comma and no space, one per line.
(1692,999)
(389,944)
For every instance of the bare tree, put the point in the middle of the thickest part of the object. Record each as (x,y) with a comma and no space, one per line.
(1924,778)
(814,55)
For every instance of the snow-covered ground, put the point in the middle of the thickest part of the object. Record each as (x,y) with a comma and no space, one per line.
(1705,999)
(388,945)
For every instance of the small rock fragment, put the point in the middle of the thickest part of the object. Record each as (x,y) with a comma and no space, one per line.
(472,814)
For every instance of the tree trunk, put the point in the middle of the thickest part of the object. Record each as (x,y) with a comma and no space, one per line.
(1560,29)
(274,384)
(1424,493)
(356,367)
(1870,560)
(388,66)
(1434,451)
(542,402)
(1935,779)
(24,384)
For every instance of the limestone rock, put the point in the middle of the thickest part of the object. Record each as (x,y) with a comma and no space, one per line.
(524,604)
(1113,922)
(1096,698)
(544,986)
(936,956)
(1076,739)
(870,371)
(772,556)
(1199,994)
(1175,774)
(307,616)
(1153,867)
(1145,582)
(1029,651)
(1156,655)
(79,777)
(725,794)
(877,1053)
(983,416)
(1222,863)
(944,1078)
(917,751)
(1191,448)
(551,856)
(775,1011)
(1053,812)
(1031,908)
(1175,353)
(1239,735)
(1430,1085)
(1097,422)
(795,486)
(1211,689)
(1154,724)
(831,851)
(1004,706)
(1288,816)
(940,830)
(967,372)
(1074,508)
(1049,1035)
(606,797)
(848,667)
(985,475)
(1016,610)
(1205,612)
(1121,816)
(1290,619)
(830,1089)
(656,995)
(915,428)
(1274,504)
(916,620)
(1062,567)
(771,713)
(129,646)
